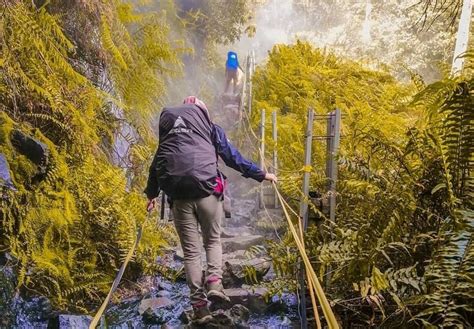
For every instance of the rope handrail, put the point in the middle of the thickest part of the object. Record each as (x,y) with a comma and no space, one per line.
(312,279)
(328,313)
(118,277)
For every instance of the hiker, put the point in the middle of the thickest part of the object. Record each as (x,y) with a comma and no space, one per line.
(231,71)
(185,168)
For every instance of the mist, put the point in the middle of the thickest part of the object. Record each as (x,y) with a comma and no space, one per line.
(380,34)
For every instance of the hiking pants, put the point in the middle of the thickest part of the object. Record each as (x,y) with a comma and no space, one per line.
(231,75)
(207,212)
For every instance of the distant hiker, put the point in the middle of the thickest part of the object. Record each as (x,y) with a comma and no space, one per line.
(185,168)
(231,71)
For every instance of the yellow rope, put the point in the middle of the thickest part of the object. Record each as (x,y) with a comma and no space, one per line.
(116,282)
(328,313)
(313,282)
(310,286)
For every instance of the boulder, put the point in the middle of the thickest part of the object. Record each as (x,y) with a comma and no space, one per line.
(234,318)
(253,299)
(156,310)
(240,242)
(5,178)
(246,270)
(240,315)
(66,321)
(33,149)
(154,304)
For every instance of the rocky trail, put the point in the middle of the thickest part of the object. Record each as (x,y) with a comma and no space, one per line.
(163,302)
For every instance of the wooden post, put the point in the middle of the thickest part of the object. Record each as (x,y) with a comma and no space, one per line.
(275,154)
(262,154)
(307,165)
(249,98)
(334,136)
(304,210)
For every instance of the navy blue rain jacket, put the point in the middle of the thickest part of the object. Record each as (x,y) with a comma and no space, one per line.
(226,151)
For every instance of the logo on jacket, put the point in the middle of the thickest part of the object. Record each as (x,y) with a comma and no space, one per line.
(180,127)
(179,123)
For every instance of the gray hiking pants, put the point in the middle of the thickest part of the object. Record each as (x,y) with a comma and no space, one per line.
(207,212)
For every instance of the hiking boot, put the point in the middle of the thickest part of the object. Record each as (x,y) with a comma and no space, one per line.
(215,291)
(202,315)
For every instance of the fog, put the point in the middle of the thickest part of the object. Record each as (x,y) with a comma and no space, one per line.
(378,33)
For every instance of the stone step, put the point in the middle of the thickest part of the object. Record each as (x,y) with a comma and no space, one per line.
(240,242)
(238,271)
(255,299)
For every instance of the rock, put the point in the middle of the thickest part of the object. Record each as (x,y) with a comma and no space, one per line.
(230,280)
(124,314)
(252,299)
(66,321)
(226,234)
(33,149)
(235,317)
(179,255)
(232,232)
(163,293)
(5,178)
(7,293)
(165,286)
(186,317)
(221,319)
(156,316)
(247,270)
(38,309)
(240,315)
(154,304)
(229,98)
(156,310)
(240,242)
(238,254)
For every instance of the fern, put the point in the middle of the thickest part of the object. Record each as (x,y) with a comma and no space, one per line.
(70,229)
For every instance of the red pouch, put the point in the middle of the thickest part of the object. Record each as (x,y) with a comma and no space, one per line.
(220,185)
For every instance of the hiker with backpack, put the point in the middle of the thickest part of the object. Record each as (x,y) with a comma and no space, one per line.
(231,71)
(185,168)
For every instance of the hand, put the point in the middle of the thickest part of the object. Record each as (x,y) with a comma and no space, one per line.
(150,205)
(271,177)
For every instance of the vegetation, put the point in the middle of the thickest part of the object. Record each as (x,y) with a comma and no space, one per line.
(400,251)
(79,77)
(74,75)
(67,71)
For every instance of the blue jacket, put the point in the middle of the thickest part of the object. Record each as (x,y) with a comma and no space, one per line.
(232,157)
(232,61)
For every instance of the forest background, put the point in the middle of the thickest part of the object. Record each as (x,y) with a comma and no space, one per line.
(73,74)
